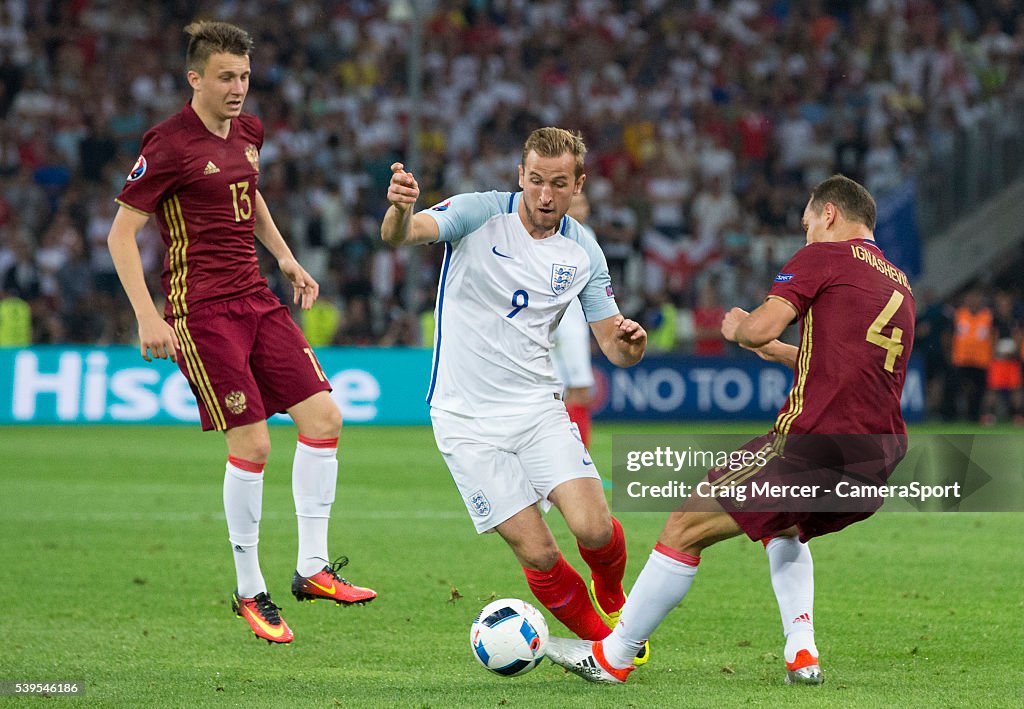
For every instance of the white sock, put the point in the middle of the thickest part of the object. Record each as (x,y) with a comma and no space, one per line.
(792,573)
(660,587)
(243,501)
(314,479)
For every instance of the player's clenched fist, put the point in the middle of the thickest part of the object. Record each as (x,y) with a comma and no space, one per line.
(403,190)
(731,321)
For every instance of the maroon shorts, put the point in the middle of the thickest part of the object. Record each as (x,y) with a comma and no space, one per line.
(246,360)
(811,466)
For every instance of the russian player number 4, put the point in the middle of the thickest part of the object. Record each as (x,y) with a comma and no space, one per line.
(893,344)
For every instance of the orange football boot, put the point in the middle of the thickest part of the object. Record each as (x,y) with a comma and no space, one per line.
(263,616)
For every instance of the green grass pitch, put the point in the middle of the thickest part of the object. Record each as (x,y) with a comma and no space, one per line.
(116,571)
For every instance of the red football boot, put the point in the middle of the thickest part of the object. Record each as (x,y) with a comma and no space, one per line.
(328,585)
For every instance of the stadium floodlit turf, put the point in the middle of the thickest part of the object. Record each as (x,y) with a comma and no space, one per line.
(116,571)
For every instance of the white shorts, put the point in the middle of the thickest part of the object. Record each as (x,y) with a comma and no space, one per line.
(503,464)
(571,351)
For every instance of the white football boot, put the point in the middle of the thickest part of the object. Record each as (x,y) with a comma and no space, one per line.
(585,658)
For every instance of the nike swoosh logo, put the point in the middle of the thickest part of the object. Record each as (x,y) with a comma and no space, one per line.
(322,588)
(587,462)
(494,250)
(267,627)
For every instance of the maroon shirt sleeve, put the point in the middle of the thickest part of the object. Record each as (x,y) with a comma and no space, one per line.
(154,174)
(803,277)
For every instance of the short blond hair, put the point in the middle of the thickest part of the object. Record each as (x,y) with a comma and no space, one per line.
(553,142)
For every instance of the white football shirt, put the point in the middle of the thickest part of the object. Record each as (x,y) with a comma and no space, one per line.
(500,297)
(570,344)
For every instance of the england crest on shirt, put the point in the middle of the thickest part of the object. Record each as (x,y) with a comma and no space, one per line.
(561,277)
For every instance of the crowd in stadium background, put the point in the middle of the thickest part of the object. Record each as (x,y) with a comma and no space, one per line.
(707,123)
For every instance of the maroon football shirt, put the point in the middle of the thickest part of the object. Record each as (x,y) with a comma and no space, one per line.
(856,331)
(202,189)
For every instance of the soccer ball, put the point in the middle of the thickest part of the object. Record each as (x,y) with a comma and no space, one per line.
(509,636)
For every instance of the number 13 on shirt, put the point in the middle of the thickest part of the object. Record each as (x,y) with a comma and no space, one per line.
(241,200)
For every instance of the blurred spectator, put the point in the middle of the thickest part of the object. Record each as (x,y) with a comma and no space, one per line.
(849,151)
(661,317)
(882,169)
(707,320)
(78,309)
(356,325)
(96,149)
(15,322)
(932,342)
(1004,371)
(54,249)
(21,277)
(668,191)
(793,134)
(714,208)
(971,352)
(320,323)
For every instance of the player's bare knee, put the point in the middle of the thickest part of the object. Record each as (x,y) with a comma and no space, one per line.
(317,417)
(590,523)
(544,560)
(689,533)
(329,426)
(325,422)
(253,448)
(596,533)
(332,421)
(538,556)
(687,544)
(249,442)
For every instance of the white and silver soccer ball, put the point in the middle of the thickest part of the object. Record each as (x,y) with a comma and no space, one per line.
(509,637)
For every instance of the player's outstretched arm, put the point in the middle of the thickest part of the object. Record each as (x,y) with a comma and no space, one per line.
(401,225)
(623,341)
(156,337)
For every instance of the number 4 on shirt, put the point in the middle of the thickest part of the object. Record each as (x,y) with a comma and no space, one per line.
(893,345)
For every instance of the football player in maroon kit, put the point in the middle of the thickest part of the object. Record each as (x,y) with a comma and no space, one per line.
(856,314)
(237,345)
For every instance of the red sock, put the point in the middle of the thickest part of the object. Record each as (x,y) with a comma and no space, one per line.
(607,566)
(580,415)
(561,590)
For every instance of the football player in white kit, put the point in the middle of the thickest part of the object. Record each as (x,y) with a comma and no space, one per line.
(512,264)
(570,351)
